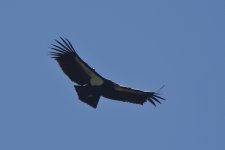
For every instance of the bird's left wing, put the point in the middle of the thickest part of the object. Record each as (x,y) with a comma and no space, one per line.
(135,96)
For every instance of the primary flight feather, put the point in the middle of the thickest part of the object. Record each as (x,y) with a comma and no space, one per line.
(90,85)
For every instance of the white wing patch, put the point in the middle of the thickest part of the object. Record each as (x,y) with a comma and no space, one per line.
(125,89)
(95,79)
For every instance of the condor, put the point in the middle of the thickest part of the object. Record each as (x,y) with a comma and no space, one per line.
(90,85)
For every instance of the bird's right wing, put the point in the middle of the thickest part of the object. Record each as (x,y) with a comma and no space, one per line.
(72,65)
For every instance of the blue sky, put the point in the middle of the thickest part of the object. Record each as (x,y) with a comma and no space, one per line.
(141,44)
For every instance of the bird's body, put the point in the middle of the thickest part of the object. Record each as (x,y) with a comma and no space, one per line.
(91,85)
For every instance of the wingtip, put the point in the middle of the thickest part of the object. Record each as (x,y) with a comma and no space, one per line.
(56,40)
(159,97)
(156,100)
(63,46)
(151,101)
(61,37)
(154,97)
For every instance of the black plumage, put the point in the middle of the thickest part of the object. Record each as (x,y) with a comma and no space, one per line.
(90,85)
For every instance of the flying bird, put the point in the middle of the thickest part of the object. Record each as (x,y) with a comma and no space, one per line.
(90,85)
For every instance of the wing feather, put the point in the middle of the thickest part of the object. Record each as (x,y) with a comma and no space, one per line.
(72,65)
(126,94)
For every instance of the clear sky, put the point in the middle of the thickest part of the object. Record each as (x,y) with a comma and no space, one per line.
(142,44)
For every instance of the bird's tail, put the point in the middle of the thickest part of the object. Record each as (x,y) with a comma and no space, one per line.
(87,95)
